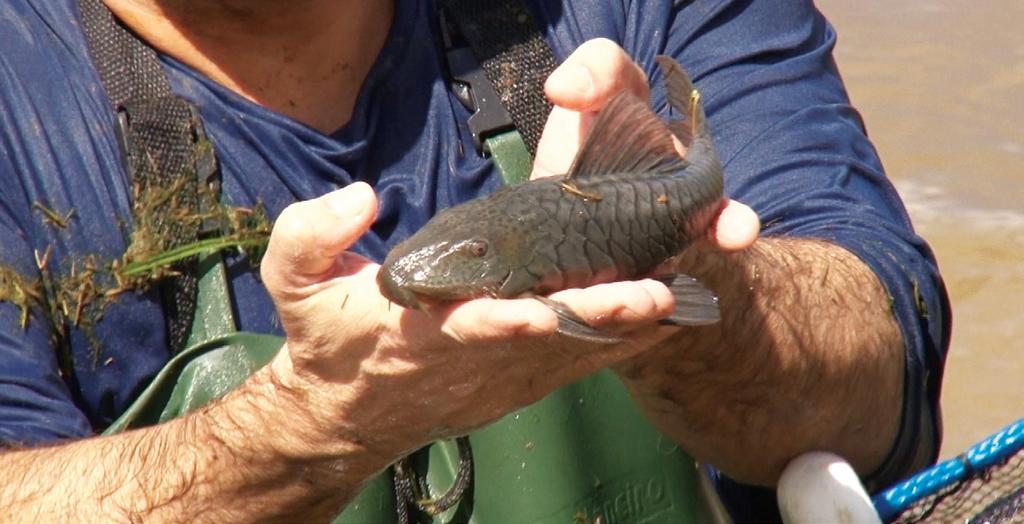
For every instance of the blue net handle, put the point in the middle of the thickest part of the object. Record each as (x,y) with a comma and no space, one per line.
(992,451)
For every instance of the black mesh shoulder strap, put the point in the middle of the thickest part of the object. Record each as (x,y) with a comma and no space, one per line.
(514,56)
(158,137)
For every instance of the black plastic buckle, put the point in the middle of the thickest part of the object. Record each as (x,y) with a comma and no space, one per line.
(208,174)
(472,87)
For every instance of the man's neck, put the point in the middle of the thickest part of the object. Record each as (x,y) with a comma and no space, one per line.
(304,58)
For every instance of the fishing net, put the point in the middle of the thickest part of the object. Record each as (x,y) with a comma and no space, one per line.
(983,485)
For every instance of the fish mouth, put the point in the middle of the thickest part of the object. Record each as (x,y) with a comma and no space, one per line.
(424,296)
(396,293)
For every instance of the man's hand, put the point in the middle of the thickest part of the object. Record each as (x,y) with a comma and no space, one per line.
(375,377)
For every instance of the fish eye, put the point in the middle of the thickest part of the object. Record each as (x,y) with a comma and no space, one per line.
(478,247)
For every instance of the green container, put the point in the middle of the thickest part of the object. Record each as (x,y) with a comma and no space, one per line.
(583,455)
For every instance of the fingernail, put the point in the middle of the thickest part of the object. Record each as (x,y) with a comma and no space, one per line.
(572,79)
(349,201)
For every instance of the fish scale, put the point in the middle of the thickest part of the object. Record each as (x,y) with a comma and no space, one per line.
(628,203)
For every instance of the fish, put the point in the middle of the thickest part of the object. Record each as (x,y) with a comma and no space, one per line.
(628,203)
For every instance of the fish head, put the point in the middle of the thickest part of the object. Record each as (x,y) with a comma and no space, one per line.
(451,258)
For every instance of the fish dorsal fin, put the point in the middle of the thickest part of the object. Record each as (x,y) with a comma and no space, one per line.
(627,137)
(684,99)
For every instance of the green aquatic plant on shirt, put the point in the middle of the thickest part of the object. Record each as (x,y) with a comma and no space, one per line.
(75,293)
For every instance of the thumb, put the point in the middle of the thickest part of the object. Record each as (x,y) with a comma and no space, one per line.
(308,236)
(735,228)
(595,72)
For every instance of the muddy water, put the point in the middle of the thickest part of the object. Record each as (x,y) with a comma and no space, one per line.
(941,87)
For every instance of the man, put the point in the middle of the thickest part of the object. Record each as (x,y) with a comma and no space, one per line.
(834,321)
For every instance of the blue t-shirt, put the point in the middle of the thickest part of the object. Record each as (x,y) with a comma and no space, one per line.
(792,146)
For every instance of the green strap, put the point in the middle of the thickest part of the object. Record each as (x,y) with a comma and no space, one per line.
(509,154)
(213,317)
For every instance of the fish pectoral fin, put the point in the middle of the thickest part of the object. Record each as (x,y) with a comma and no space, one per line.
(696,305)
(571,325)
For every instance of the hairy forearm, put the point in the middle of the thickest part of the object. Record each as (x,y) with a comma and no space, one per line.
(807,356)
(223,464)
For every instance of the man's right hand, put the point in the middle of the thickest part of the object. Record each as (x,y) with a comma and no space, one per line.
(369,381)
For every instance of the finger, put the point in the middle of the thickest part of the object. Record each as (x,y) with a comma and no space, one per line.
(492,320)
(626,302)
(309,236)
(580,87)
(592,74)
(561,139)
(736,227)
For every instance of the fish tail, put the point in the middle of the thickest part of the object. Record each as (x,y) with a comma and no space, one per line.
(685,99)
(705,185)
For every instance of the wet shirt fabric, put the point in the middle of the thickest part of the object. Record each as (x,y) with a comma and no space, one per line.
(791,145)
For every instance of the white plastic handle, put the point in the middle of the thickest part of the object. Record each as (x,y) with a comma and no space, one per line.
(822,488)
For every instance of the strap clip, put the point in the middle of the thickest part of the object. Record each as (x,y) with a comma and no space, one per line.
(472,87)
(208,173)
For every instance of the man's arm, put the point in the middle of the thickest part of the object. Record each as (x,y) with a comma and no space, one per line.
(807,356)
(231,462)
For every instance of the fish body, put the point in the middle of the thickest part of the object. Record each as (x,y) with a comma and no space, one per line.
(628,204)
